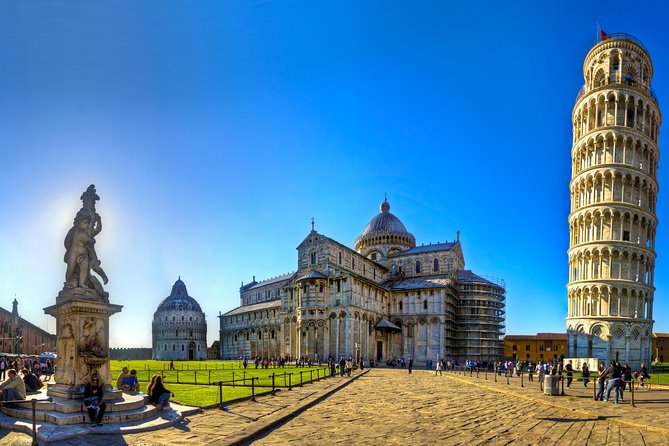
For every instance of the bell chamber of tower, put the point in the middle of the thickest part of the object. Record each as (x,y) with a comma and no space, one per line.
(612,222)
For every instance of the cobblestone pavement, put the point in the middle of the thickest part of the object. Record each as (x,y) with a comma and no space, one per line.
(387,406)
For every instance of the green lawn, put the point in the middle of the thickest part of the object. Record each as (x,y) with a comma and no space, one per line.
(191,380)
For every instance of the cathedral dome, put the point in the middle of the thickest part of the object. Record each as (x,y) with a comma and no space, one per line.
(384,235)
(385,222)
(179,299)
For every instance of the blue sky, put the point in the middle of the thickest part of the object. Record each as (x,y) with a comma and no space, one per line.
(214,131)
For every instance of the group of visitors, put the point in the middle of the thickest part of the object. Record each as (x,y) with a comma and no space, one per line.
(616,377)
(31,363)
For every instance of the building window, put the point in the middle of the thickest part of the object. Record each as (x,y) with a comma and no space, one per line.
(340,257)
(174,348)
(373,256)
(313,258)
(353,263)
(183,318)
(527,347)
(183,347)
(541,349)
(515,348)
(165,349)
(177,333)
(626,236)
(417,266)
(400,305)
(435,266)
(320,288)
(425,305)
(338,286)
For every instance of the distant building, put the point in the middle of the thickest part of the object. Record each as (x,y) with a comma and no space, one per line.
(18,336)
(130,353)
(179,327)
(660,345)
(542,346)
(385,299)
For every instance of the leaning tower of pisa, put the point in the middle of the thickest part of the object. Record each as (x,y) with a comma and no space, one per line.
(613,194)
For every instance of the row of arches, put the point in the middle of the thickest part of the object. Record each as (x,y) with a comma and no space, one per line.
(611,186)
(612,224)
(617,108)
(616,66)
(614,263)
(610,302)
(446,264)
(615,148)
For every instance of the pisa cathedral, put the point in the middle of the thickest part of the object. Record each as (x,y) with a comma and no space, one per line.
(385,299)
(613,219)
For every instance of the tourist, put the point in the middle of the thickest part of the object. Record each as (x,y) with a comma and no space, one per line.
(121,377)
(32,382)
(410,365)
(130,383)
(4,364)
(172,361)
(570,373)
(530,371)
(601,379)
(342,366)
(158,394)
(614,374)
(349,366)
(585,372)
(94,400)
(13,388)
(642,375)
(627,376)
(438,369)
(49,370)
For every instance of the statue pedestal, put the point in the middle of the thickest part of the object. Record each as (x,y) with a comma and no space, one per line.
(82,345)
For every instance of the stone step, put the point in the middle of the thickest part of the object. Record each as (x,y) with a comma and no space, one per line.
(64,419)
(49,432)
(129,402)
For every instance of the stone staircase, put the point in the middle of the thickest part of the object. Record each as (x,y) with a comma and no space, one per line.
(60,418)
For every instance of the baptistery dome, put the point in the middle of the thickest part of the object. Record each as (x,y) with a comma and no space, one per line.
(179,327)
(384,235)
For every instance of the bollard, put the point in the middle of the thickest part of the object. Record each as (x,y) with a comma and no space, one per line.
(632,382)
(290,379)
(220,393)
(507,378)
(562,381)
(486,373)
(34,443)
(471,371)
(477,372)
(284,379)
(300,379)
(273,388)
(521,380)
(253,389)
(495,375)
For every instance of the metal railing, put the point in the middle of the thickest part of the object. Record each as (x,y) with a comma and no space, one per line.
(625,36)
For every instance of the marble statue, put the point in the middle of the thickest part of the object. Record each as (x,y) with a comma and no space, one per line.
(80,255)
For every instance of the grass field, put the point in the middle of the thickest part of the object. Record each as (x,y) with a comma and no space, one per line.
(195,383)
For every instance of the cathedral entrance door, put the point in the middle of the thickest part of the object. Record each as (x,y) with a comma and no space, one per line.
(191,351)
(379,350)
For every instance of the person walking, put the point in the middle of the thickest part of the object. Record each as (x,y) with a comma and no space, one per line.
(585,372)
(439,367)
(410,365)
(570,373)
(614,374)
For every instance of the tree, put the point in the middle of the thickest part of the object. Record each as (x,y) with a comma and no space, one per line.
(214,351)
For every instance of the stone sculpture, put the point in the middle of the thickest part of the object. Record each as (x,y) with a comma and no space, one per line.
(80,254)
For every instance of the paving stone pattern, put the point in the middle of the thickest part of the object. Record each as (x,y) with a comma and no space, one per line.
(388,406)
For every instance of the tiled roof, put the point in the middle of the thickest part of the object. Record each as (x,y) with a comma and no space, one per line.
(386,324)
(313,274)
(552,336)
(426,248)
(254,307)
(271,281)
(520,337)
(423,282)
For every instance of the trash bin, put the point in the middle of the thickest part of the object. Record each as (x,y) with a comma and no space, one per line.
(551,385)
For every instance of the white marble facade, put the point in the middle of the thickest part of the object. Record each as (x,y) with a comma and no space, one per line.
(387,299)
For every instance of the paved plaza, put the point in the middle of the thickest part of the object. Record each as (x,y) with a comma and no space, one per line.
(389,406)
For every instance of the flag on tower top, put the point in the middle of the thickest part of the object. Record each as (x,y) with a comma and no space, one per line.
(603,35)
